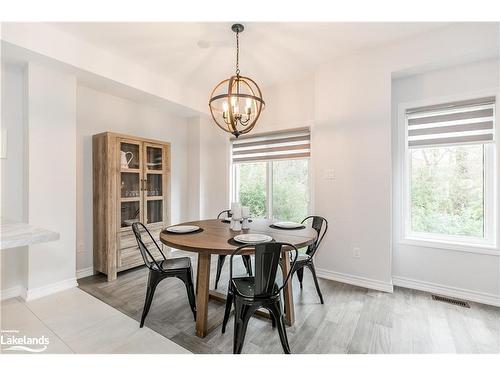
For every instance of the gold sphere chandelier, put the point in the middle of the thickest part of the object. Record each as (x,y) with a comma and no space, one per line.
(236,103)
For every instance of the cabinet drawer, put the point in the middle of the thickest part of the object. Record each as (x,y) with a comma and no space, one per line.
(131,257)
(127,238)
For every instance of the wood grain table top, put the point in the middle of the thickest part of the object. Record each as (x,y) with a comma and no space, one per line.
(214,239)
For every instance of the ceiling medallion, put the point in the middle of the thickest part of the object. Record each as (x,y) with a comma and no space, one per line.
(236,103)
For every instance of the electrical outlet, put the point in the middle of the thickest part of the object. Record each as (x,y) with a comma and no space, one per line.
(356,252)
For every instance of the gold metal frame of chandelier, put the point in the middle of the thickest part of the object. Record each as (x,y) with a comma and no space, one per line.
(232,126)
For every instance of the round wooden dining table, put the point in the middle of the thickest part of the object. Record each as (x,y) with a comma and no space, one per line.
(215,238)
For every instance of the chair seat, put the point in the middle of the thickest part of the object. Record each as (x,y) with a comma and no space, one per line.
(174,264)
(245,286)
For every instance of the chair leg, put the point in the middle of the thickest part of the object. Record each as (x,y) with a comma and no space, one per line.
(187,279)
(300,276)
(242,315)
(247,261)
(315,278)
(275,310)
(273,321)
(220,264)
(227,311)
(153,280)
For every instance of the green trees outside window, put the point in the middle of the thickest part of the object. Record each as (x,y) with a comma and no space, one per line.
(447,190)
(279,187)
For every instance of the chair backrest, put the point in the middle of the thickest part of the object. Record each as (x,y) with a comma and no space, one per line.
(227,212)
(267,258)
(320,225)
(148,258)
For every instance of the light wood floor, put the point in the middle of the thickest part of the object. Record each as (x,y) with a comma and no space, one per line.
(352,320)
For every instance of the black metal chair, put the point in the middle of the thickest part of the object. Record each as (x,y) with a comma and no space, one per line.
(251,293)
(159,270)
(247,261)
(306,260)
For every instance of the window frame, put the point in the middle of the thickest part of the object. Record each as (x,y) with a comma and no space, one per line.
(234,195)
(488,244)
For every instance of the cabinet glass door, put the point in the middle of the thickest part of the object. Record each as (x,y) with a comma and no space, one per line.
(130,183)
(154,157)
(155,211)
(154,190)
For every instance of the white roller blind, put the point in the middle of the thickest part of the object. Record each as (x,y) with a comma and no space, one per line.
(468,121)
(272,146)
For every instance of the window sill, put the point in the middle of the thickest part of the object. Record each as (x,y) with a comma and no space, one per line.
(454,246)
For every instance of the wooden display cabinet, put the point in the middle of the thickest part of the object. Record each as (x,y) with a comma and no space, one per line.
(131,178)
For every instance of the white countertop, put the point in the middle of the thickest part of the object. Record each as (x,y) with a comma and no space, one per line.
(15,234)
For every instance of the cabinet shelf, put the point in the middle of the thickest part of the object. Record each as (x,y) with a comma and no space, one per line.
(154,198)
(132,199)
(153,171)
(130,170)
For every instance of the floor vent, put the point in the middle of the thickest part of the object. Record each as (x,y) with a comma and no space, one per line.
(452,301)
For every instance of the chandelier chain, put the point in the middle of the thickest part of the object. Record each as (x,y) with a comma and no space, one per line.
(237,53)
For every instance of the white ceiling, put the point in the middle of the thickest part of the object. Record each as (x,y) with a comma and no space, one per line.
(269,52)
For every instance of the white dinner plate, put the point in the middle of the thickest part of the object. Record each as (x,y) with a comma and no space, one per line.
(287,224)
(183,229)
(252,238)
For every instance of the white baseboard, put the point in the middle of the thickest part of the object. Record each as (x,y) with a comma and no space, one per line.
(469,295)
(355,280)
(84,272)
(16,291)
(43,291)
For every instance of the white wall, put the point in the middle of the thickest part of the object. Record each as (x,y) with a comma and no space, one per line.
(348,106)
(99,112)
(13,179)
(214,169)
(194,160)
(51,119)
(288,105)
(51,44)
(352,136)
(13,185)
(477,273)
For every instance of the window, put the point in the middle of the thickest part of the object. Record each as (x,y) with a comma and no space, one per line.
(252,187)
(271,174)
(449,172)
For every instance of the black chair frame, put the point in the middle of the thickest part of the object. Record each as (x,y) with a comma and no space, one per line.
(299,266)
(247,261)
(160,270)
(266,294)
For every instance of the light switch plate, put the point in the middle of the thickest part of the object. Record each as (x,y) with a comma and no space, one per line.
(329,174)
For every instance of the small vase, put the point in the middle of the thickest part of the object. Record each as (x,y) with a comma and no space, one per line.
(235,225)
(245,224)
